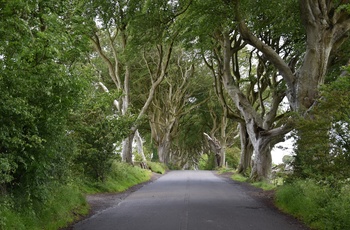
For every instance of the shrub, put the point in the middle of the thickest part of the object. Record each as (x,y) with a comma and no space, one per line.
(318,205)
(63,205)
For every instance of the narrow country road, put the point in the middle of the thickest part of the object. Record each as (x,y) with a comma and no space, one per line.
(189,200)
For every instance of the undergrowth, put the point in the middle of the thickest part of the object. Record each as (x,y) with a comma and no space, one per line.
(321,206)
(225,170)
(265,185)
(157,167)
(121,177)
(64,203)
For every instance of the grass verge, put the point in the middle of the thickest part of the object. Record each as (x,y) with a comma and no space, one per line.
(261,184)
(318,205)
(64,204)
(157,167)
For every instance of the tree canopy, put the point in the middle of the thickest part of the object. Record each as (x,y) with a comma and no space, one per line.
(81,81)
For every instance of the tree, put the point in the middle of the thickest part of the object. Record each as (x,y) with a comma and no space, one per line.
(96,130)
(323,37)
(135,31)
(40,84)
(170,102)
(189,142)
(221,123)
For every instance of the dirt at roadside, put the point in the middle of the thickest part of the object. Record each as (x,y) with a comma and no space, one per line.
(102,201)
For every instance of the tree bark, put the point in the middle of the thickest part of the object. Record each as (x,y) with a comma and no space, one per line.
(262,161)
(139,146)
(127,148)
(245,163)
(258,126)
(217,149)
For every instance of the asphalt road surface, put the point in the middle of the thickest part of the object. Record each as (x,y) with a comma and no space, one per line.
(189,200)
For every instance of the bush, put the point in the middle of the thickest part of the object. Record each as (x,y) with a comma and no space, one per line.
(318,205)
(322,139)
(63,205)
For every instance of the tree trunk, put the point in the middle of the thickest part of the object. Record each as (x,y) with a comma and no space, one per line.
(261,137)
(163,151)
(127,148)
(139,146)
(217,149)
(246,151)
(262,161)
(223,140)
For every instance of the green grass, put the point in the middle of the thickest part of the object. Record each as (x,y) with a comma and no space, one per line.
(225,170)
(264,185)
(239,177)
(320,206)
(122,177)
(64,203)
(156,167)
(261,184)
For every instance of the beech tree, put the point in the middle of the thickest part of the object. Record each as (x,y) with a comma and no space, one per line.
(298,47)
(326,24)
(135,35)
(170,102)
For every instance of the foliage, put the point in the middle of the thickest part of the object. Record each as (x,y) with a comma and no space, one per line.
(319,205)
(49,117)
(40,84)
(287,159)
(207,162)
(64,205)
(157,167)
(233,157)
(264,185)
(225,170)
(323,142)
(97,129)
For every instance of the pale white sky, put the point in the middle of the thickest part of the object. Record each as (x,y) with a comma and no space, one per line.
(281,149)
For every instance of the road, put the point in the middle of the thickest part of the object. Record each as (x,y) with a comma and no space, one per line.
(190,200)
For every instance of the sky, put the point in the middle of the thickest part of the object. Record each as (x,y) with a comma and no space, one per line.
(282,149)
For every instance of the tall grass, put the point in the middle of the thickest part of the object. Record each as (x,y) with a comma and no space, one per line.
(320,206)
(122,177)
(157,167)
(64,203)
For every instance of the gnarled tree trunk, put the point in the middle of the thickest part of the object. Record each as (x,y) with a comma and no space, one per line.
(245,162)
